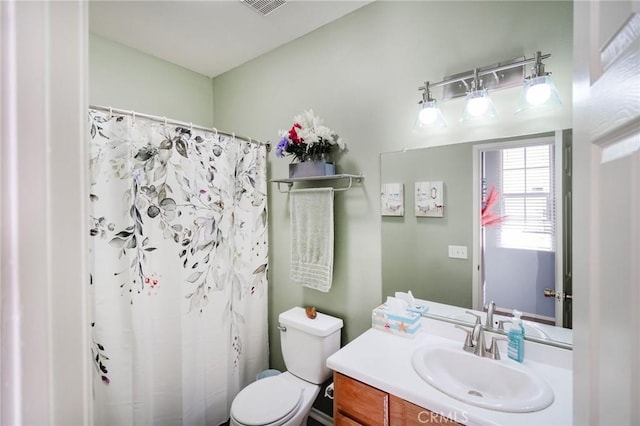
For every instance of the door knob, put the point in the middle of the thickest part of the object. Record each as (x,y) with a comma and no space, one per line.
(559,296)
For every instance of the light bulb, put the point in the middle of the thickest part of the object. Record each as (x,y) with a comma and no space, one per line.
(428,115)
(538,94)
(477,106)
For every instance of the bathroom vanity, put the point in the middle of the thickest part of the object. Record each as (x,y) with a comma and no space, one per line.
(376,382)
(356,403)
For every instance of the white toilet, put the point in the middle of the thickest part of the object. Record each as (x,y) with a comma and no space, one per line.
(286,399)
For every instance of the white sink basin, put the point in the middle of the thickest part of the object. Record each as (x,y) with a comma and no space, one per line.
(503,385)
(531,329)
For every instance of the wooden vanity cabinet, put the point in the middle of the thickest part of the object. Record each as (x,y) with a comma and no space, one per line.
(355,403)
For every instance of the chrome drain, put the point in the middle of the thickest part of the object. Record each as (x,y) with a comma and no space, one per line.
(475,393)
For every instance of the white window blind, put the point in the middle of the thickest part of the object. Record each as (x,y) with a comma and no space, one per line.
(527,183)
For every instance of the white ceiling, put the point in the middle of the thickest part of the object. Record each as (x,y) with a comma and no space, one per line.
(209,37)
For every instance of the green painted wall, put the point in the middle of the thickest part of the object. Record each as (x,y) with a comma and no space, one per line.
(415,249)
(125,78)
(361,75)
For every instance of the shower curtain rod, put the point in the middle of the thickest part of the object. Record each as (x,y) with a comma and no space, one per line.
(164,120)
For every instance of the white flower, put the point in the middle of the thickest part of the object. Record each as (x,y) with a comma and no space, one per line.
(311,137)
(308,135)
(312,130)
(308,120)
(324,132)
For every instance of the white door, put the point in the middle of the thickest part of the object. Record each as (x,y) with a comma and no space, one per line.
(606,207)
(44,348)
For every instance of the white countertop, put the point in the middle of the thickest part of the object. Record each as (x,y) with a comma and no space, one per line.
(383,360)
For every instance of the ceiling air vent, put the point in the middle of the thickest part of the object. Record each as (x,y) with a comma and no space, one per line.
(264,7)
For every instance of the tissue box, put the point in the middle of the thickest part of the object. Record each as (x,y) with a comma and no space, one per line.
(413,305)
(420,309)
(406,324)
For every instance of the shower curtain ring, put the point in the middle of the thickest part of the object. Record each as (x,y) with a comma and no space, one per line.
(165,121)
(233,135)
(110,112)
(133,116)
(191,127)
(216,131)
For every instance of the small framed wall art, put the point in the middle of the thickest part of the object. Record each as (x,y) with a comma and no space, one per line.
(392,199)
(429,199)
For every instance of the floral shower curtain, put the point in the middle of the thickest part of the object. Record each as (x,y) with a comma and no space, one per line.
(179,271)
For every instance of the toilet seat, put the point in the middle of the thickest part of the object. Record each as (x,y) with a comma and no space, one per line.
(270,401)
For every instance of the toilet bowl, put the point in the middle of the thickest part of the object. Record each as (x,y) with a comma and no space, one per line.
(274,401)
(286,399)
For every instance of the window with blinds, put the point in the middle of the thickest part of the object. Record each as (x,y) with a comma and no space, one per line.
(527,183)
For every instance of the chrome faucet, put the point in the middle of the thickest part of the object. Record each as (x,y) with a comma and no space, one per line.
(490,322)
(478,333)
(490,311)
(475,340)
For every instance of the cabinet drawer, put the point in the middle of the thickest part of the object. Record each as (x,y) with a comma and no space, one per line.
(402,413)
(361,403)
(342,420)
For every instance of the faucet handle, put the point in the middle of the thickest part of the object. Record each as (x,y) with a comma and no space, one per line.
(494,352)
(475,315)
(468,341)
(501,323)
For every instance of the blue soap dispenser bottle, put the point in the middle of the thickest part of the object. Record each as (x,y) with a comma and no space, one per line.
(515,348)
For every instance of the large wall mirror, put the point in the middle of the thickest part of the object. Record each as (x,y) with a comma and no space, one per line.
(479,222)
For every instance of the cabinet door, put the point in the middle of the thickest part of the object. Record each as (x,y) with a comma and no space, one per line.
(342,420)
(359,402)
(403,413)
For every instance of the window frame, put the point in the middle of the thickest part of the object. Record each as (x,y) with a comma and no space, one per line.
(528,233)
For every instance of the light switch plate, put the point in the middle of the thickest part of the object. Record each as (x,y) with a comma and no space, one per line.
(458,252)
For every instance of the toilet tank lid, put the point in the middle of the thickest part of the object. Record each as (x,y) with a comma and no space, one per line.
(322,325)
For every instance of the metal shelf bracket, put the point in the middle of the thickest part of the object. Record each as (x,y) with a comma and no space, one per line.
(290,181)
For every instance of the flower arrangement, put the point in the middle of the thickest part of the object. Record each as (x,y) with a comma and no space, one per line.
(308,139)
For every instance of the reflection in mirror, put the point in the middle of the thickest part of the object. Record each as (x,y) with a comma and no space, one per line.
(454,261)
(534,331)
(517,228)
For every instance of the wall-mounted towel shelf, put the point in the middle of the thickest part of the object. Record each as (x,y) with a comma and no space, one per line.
(291,181)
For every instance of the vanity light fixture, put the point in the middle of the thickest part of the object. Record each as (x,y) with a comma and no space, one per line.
(478,105)
(429,114)
(538,93)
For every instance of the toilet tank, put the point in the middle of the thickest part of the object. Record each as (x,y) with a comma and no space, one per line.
(307,343)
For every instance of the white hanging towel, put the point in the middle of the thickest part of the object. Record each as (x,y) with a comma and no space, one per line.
(312,237)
